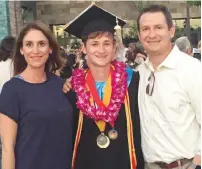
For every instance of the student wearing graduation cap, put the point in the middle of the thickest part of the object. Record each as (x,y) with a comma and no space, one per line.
(108,130)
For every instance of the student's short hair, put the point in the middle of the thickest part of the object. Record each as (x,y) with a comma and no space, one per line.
(97,35)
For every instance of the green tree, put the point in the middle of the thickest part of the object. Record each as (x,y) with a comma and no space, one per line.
(188,27)
(60,40)
(132,33)
(179,32)
(139,5)
(196,3)
(75,44)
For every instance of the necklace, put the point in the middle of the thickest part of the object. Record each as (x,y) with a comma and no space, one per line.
(119,87)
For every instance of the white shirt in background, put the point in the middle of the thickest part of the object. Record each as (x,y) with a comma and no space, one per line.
(171,117)
(6,72)
(121,53)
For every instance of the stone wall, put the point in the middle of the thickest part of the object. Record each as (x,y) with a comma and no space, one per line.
(10,18)
(14,8)
(62,12)
(4,22)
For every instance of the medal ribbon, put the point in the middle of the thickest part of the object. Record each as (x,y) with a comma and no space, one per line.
(106,99)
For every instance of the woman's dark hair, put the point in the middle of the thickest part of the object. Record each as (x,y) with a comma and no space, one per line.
(153,9)
(7,48)
(52,64)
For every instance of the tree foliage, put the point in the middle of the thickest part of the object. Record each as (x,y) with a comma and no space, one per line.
(139,5)
(132,33)
(75,44)
(195,3)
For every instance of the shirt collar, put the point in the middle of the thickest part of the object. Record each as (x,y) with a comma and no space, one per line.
(149,64)
(169,62)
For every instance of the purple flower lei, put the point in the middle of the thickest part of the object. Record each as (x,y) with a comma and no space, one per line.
(119,88)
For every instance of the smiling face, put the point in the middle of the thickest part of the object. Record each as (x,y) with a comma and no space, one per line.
(78,53)
(100,51)
(35,49)
(154,33)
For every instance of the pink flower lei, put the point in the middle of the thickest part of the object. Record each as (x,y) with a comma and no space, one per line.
(119,87)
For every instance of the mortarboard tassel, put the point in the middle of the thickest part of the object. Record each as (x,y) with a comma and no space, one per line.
(118,33)
(120,52)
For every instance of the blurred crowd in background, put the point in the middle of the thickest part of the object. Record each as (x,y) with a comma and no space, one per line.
(134,54)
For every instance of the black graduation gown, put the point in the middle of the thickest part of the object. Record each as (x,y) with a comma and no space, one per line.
(66,71)
(116,156)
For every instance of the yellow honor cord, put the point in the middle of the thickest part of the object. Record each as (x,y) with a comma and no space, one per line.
(77,139)
(130,133)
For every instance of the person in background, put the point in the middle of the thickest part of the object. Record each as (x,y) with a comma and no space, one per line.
(184,45)
(66,70)
(134,56)
(6,67)
(63,59)
(197,52)
(6,53)
(35,115)
(79,58)
(121,51)
(71,58)
(199,46)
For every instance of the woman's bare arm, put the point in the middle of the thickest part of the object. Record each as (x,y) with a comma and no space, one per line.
(8,132)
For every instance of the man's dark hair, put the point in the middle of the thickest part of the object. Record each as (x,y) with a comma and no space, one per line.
(153,9)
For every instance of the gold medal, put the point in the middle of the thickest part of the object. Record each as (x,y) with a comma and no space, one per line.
(103,141)
(113,134)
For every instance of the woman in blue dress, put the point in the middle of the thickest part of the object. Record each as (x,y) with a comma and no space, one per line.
(36,116)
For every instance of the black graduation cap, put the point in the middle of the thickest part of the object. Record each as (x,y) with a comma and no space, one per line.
(93,19)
